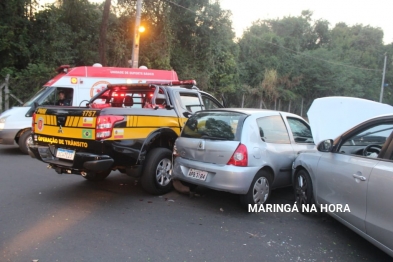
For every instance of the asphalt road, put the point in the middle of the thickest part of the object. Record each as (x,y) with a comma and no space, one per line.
(48,217)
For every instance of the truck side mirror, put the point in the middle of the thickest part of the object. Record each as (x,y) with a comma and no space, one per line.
(187,114)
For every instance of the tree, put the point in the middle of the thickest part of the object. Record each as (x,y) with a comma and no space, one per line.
(103,30)
(14,31)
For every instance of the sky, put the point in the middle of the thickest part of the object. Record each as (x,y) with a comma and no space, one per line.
(376,13)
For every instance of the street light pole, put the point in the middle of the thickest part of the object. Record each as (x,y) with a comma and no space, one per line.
(135,47)
(383,80)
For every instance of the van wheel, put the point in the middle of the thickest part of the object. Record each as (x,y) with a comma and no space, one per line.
(97,176)
(24,140)
(259,191)
(156,177)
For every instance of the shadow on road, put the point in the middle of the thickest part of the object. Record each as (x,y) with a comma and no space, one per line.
(11,150)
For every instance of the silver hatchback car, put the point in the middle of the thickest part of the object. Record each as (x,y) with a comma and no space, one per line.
(355,171)
(242,151)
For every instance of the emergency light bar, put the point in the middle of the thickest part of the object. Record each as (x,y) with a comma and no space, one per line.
(185,83)
(63,69)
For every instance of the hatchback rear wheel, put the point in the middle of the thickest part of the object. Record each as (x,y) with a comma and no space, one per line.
(259,191)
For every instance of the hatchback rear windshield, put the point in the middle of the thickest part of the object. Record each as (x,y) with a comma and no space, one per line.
(214,125)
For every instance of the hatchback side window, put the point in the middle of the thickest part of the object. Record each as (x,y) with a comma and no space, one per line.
(272,130)
(300,130)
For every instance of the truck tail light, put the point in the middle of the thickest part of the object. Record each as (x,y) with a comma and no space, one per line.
(33,123)
(239,157)
(105,124)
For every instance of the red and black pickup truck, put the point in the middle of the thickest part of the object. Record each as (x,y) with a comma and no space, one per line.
(127,127)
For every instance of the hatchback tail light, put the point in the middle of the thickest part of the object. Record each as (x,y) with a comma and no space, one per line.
(239,157)
(105,124)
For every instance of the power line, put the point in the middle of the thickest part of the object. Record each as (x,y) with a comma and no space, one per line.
(192,11)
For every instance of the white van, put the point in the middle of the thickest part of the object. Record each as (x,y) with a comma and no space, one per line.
(79,84)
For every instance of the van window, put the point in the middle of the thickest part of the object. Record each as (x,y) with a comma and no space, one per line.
(53,97)
(37,96)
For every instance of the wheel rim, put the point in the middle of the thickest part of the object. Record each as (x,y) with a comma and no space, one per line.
(163,176)
(301,190)
(29,141)
(261,190)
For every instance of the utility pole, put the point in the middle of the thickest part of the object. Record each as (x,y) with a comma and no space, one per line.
(383,80)
(135,47)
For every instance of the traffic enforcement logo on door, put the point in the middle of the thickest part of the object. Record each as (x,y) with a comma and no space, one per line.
(40,124)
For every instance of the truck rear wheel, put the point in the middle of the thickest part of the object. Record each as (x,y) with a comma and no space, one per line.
(156,177)
(24,140)
(97,176)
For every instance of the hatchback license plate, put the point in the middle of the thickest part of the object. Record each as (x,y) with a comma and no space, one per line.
(197,174)
(65,153)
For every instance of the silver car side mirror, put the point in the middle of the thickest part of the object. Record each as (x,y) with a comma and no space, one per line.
(326,145)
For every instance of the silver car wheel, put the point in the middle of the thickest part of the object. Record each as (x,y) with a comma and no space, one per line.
(303,190)
(261,190)
(162,172)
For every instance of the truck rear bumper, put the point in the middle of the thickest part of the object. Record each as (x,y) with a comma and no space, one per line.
(82,161)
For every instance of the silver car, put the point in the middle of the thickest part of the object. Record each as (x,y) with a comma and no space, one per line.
(354,171)
(242,151)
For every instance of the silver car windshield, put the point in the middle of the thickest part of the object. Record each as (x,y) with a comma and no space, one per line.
(213,125)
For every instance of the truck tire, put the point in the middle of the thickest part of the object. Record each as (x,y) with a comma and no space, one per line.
(156,178)
(97,176)
(24,140)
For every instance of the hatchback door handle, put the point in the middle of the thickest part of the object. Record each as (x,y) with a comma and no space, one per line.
(361,178)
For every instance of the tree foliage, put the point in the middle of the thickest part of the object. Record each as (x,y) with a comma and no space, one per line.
(276,63)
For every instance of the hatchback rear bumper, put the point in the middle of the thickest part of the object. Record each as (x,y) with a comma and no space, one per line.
(232,179)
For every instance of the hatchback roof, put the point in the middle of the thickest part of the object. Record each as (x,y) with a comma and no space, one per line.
(252,111)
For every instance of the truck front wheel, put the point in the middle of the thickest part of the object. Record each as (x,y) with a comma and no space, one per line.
(24,140)
(156,177)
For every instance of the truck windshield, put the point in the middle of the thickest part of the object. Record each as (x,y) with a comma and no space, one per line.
(37,96)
